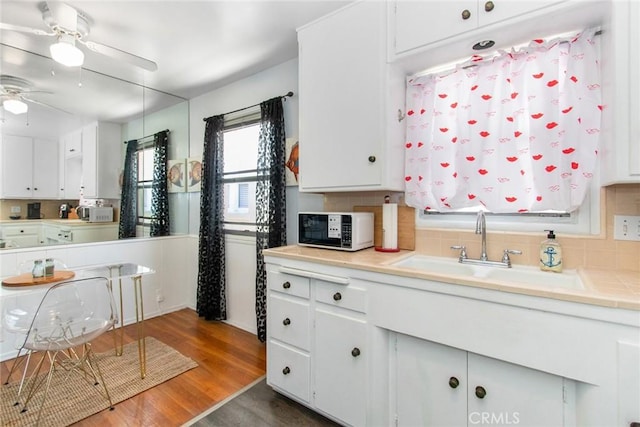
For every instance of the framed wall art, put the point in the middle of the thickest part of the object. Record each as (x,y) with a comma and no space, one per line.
(194,174)
(176,180)
(291,158)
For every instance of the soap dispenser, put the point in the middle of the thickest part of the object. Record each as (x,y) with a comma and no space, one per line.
(550,254)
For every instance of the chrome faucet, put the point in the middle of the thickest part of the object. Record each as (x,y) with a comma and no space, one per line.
(481,228)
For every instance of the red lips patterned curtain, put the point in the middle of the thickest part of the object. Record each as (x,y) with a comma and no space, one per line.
(517,132)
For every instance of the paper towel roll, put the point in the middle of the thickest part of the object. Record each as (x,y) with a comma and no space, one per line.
(390,226)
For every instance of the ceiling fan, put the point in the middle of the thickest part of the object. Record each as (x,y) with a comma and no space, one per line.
(69,26)
(14,95)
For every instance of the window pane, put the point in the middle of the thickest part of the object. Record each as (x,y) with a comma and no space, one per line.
(145,164)
(241,148)
(243,195)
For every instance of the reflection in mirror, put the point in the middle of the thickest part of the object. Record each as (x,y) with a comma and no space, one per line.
(61,102)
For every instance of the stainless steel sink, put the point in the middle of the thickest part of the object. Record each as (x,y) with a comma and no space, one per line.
(525,275)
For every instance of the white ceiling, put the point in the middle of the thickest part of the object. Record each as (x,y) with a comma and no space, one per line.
(198,46)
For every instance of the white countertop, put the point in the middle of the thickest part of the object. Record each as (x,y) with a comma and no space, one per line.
(608,288)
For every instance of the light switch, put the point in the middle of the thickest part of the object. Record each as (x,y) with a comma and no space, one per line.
(626,227)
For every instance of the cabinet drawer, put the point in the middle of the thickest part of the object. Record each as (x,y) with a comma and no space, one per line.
(288,369)
(289,284)
(289,320)
(342,296)
(14,231)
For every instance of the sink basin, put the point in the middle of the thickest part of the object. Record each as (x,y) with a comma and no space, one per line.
(525,275)
(531,276)
(435,265)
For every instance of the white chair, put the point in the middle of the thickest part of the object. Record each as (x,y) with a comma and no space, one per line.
(70,316)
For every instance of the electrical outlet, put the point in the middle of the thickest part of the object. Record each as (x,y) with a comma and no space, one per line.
(159,296)
(626,227)
(15,209)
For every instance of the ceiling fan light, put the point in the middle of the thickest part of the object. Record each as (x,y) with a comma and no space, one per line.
(15,106)
(65,52)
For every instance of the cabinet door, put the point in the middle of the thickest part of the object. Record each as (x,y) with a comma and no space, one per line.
(490,12)
(45,169)
(73,144)
(341,98)
(340,366)
(89,161)
(513,394)
(17,166)
(61,168)
(418,23)
(431,386)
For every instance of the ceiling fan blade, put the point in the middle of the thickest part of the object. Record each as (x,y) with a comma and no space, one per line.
(121,55)
(33,101)
(25,29)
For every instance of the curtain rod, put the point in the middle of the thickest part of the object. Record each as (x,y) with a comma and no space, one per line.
(148,136)
(288,95)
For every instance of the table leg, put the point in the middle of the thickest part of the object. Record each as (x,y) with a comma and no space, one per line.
(142,350)
(118,331)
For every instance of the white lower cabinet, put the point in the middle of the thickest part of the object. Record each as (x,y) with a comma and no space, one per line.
(22,236)
(289,329)
(340,364)
(438,385)
(316,349)
(366,348)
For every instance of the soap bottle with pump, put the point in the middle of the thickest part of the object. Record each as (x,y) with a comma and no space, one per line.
(550,254)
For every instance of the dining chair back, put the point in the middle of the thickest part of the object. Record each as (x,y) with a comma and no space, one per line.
(17,315)
(70,316)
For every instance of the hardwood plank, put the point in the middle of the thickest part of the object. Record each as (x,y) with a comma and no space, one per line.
(228,359)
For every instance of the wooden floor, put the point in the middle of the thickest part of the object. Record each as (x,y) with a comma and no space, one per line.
(228,359)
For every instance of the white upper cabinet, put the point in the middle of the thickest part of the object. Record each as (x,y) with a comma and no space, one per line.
(101,160)
(29,168)
(70,165)
(350,135)
(419,23)
(621,92)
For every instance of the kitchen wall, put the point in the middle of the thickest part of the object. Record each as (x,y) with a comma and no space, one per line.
(48,208)
(602,251)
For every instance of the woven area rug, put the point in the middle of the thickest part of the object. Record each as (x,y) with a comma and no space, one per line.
(74,399)
(258,405)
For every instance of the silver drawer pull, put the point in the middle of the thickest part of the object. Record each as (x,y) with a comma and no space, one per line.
(286,370)
(286,322)
(337,296)
(286,285)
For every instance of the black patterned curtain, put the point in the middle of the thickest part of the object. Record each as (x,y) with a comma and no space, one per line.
(129,196)
(159,192)
(211,298)
(271,211)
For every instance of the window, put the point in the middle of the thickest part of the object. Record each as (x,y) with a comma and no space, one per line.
(145,180)
(516,134)
(240,175)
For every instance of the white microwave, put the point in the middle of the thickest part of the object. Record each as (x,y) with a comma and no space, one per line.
(346,231)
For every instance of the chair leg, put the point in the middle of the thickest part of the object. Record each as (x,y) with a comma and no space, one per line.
(36,383)
(91,362)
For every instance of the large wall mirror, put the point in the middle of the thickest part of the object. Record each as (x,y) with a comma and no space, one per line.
(61,100)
